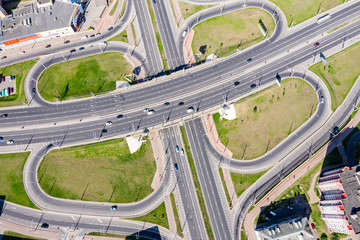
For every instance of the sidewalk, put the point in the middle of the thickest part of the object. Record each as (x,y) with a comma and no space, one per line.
(250,217)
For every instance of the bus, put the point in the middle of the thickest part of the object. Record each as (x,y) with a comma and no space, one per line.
(323,18)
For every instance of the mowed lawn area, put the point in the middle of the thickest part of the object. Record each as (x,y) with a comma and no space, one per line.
(103,172)
(157,216)
(20,70)
(188,9)
(11,178)
(297,11)
(243,181)
(78,78)
(340,73)
(9,235)
(225,34)
(121,37)
(265,119)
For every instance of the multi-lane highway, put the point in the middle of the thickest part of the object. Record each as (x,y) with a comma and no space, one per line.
(203,88)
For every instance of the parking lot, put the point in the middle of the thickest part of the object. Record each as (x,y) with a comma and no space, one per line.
(7,85)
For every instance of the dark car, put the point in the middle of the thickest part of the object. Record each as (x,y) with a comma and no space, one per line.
(34,90)
(176,167)
(249,60)
(113,208)
(166,104)
(93,35)
(236,83)
(47,46)
(3,115)
(44,225)
(67,41)
(82,48)
(73,50)
(120,116)
(3,57)
(1,138)
(104,131)
(316,44)
(253,85)
(181,103)
(110,28)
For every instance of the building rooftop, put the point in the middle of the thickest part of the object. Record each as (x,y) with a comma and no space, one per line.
(32,19)
(350,182)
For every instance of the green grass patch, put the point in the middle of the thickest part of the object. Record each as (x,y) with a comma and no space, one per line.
(243,181)
(11,178)
(188,9)
(123,9)
(340,73)
(197,185)
(114,8)
(297,11)
(133,32)
(9,235)
(78,78)
(115,236)
(177,219)
(243,234)
(102,172)
(225,188)
(279,112)
(122,37)
(20,70)
(226,34)
(157,216)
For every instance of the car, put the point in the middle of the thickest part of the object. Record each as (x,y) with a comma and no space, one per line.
(44,225)
(290,207)
(151,112)
(312,225)
(146,109)
(104,131)
(93,35)
(253,85)
(181,103)
(177,148)
(11,90)
(322,99)
(2,79)
(249,60)
(82,48)
(3,57)
(6,92)
(190,110)
(120,116)
(12,77)
(184,33)
(3,92)
(166,104)
(73,50)
(110,28)
(1,138)
(109,123)
(67,41)
(182,152)
(10,142)
(98,34)
(176,167)
(34,90)
(236,83)
(316,44)
(84,37)
(3,115)
(113,208)
(47,46)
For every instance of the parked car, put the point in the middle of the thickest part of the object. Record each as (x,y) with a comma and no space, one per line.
(312,225)
(11,90)
(1,138)
(12,77)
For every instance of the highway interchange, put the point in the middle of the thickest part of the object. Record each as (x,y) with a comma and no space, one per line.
(44,125)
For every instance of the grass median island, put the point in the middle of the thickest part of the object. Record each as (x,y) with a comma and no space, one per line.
(9,235)
(340,73)
(157,216)
(122,37)
(297,11)
(81,77)
(20,70)
(102,172)
(188,9)
(243,181)
(266,118)
(225,34)
(11,179)
(176,215)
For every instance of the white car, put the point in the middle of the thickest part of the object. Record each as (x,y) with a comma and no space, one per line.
(184,33)
(151,112)
(182,152)
(108,123)
(84,37)
(190,110)
(10,142)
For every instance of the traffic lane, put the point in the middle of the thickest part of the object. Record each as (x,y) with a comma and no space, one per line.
(191,206)
(211,195)
(200,79)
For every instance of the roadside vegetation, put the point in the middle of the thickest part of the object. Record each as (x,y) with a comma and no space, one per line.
(74,172)
(9,235)
(188,9)
(266,118)
(114,8)
(243,181)
(122,37)
(11,179)
(20,70)
(197,185)
(116,236)
(81,77)
(340,73)
(225,188)
(176,214)
(297,11)
(227,34)
(157,216)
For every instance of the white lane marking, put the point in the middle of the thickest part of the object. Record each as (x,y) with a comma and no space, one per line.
(99,220)
(73,218)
